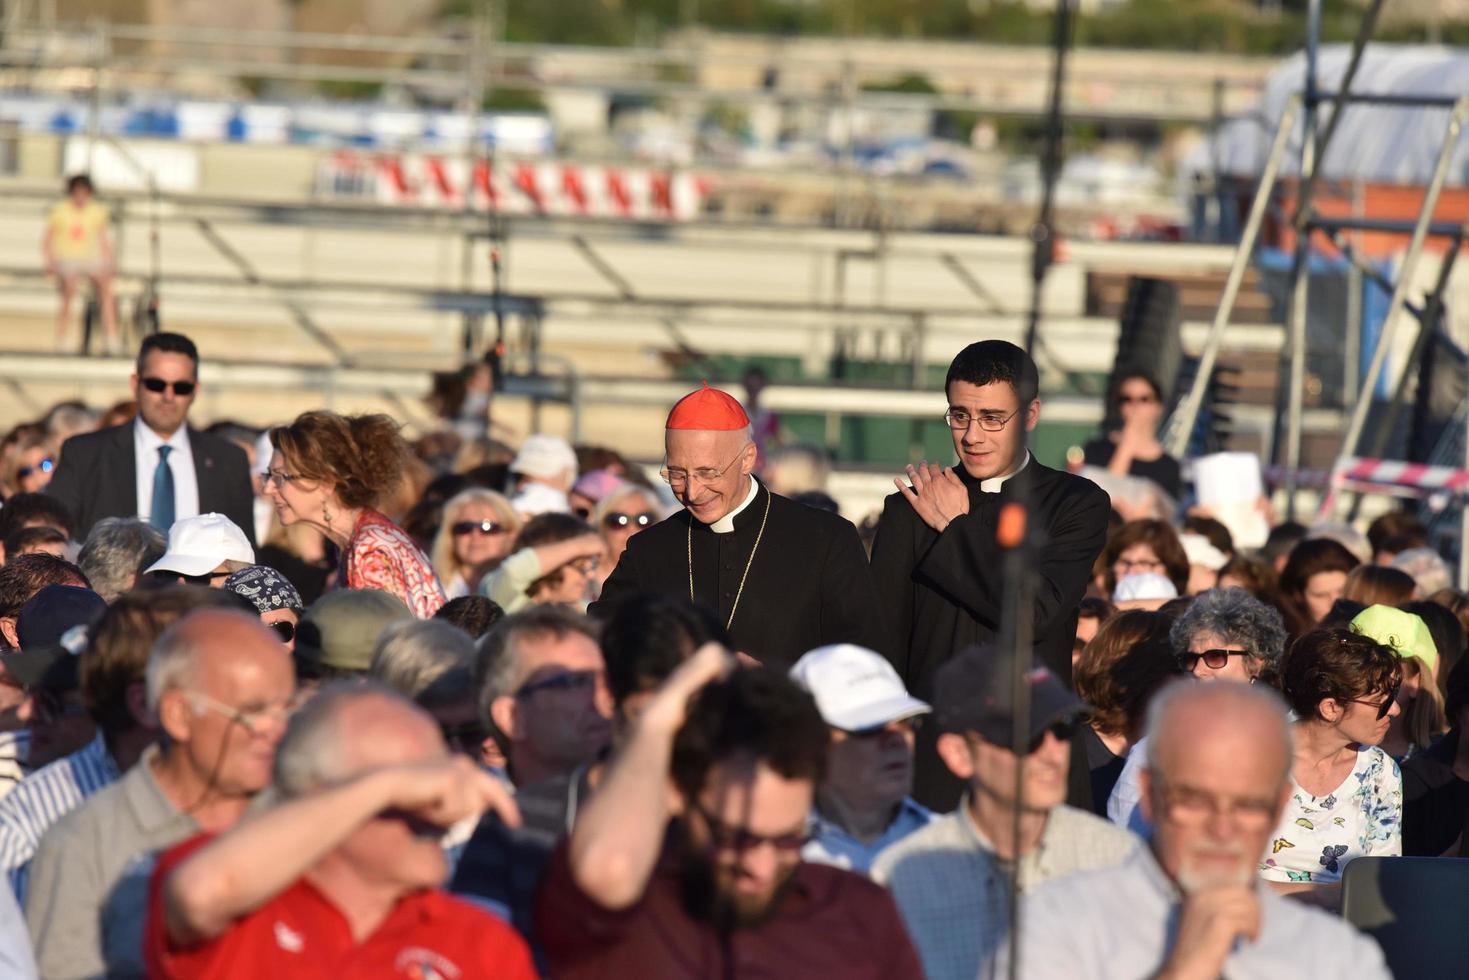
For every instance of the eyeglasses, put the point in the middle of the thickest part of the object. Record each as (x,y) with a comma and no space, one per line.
(1190,807)
(44,466)
(586,565)
(677,477)
(280,477)
(285,629)
(959,420)
(251,719)
(1213,659)
(1126,565)
(618,521)
(181,388)
(562,683)
(1382,708)
(723,837)
(461,528)
(1064,731)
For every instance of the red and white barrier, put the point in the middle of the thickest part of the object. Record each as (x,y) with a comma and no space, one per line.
(1416,480)
(514,186)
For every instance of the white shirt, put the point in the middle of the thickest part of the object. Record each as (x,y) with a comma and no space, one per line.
(180,461)
(994,483)
(726,523)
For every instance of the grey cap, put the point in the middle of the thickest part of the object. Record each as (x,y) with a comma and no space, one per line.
(341,628)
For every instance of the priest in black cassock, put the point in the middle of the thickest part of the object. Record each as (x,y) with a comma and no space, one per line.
(936,561)
(784,578)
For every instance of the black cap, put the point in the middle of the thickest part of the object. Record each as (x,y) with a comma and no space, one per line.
(52,629)
(973,693)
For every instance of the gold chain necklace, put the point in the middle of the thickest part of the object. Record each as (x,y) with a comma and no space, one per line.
(741,591)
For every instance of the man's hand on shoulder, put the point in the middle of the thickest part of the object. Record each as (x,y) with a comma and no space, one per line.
(936,494)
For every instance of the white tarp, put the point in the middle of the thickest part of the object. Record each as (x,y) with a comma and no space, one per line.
(1389,144)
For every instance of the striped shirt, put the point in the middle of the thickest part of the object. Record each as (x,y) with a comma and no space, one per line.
(44,797)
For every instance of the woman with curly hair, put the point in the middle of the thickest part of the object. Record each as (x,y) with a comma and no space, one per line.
(331,471)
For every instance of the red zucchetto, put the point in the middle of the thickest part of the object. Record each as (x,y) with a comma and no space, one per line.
(708,410)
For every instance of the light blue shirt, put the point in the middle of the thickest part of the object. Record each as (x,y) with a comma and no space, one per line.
(1121,923)
(831,844)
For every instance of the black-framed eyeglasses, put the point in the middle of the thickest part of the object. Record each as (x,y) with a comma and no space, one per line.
(1385,705)
(1213,659)
(960,420)
(566,681)
(618,521)
(284,628)
(181,388)
(461,528)
(723,837)
(678,477)
(44,466)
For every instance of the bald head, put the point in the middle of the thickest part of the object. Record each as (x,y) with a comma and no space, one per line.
(211,641)
(349,727)
(1186,719)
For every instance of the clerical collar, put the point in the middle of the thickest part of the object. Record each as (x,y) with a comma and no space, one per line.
(994,483)
(726,524)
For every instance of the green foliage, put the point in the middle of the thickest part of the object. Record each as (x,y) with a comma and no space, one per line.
(505,99)
(349,91)
(907,84)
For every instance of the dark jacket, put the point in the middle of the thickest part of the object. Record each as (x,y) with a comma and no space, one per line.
(96,477)
(943,592)
(808,585)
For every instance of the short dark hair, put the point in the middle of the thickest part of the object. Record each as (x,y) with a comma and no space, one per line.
(79,180)
(755,713)
(551,528)
(17,541)
(474,614)
(989,361)
(23,577)
(30,509)
(168,343)
(1213,531)
(1395,524)
(1282,539)
(1338,663)
(647,638)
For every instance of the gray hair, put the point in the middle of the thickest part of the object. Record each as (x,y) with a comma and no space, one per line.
(1220,697)
(174,659)
(498,668)
(1234,616)
(423,659)
(1430,572)
(314,751)
(116,549)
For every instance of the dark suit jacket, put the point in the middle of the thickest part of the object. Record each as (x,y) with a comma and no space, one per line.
(808,585)
(944,592)
(96,477)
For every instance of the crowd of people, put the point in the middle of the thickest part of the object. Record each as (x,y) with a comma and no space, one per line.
(314,701)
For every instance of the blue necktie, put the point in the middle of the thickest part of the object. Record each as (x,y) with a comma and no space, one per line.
(162,512)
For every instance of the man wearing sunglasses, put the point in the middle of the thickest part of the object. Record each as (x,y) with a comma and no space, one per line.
(936,559)
(958,869)
(157,466)
(686,861)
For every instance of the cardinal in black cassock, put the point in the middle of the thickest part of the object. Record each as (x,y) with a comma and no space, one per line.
(784,578)
(936,561)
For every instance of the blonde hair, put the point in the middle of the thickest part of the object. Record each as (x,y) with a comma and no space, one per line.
(1423,718)
(441,552)
(604,506)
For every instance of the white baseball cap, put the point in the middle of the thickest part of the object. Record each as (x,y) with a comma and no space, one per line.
(1144,586)
(855,688)
(199,545)
(544,457)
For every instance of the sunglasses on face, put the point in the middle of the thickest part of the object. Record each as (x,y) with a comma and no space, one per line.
(285,629)
(44,466)
(181,388)
(1213,659)
(1382,707)
(1063,730)
(618,521)
(724,837)
(461,528)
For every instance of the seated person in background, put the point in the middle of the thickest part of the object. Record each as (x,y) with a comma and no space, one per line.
(863,804)
(1312,580)
(474,614)
(686,861)
(116,551)
(951,879)
(1145,546)
(274,598)
(33,540)
(1436,781)
(1144,591)
(1134,449)
(1188,904)
(1420,716)
(351,887)
(555,559)
(203,550)
(339,632)
(1377,585)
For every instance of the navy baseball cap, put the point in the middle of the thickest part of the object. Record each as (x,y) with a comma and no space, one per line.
(973,692)
(52,628)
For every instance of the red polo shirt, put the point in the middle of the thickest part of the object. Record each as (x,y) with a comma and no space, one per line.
(299,933)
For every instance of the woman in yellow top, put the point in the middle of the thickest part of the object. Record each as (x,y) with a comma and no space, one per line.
(76,246)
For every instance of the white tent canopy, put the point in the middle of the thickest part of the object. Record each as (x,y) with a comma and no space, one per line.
(1388,144)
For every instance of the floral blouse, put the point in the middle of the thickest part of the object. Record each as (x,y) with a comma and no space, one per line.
(381,555)
(1318,836)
